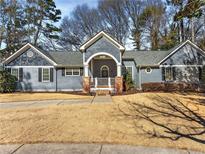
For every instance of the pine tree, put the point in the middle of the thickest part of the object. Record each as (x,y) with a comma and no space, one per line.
(12,28)
(41,18)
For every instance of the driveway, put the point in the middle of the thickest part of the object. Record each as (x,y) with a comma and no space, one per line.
(96,99)
(42,103)
(86,149)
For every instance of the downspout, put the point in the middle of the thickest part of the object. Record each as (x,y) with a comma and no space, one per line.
(56,79)
(140,79)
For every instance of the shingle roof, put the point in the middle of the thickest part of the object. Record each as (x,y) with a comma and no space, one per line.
(74,58)
(142,58)
(146,57)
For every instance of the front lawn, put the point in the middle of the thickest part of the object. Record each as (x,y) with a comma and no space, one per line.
(19,97)
(88,123)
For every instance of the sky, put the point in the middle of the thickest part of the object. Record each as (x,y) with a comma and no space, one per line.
(67,6)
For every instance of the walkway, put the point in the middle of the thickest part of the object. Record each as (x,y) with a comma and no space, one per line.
(86,149)
(102,99)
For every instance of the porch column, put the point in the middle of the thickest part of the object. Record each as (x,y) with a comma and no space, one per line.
(86,71)
(119,80)
(86,80)
(119,70)
(118,84)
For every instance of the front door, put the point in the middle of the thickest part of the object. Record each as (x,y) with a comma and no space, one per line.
(104,71)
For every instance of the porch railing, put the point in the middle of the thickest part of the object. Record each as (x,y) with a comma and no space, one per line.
(102,82)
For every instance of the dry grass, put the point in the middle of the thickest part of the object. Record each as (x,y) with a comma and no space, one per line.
(18,97)
(85,123)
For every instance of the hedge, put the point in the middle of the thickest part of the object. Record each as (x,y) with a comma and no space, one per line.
(7,82)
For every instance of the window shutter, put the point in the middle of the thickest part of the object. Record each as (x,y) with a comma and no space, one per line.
(200,70)
(51,74)
(8,70)
(63,71)
(81,71)
(174,73)
(163,74)
(20,74)
(40,74)
(203,74)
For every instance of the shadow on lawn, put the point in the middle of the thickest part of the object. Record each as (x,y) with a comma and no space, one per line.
(168,118)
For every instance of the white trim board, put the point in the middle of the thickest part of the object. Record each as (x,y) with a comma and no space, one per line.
(183,44)
(20,51)
(101,53)
(28,66)
(181,66)
(99,35)
(133,78)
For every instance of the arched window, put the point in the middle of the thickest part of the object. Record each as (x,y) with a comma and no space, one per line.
(104,71)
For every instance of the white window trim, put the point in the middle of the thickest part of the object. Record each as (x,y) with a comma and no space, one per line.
(150,70)
(18,72)
(72,71)
(132,71)
(48,75)
(171,74)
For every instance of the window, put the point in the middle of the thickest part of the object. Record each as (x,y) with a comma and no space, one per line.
(46,75)
(72,72)
(148,70)
(129,71)
(15,72)
(76,72)
(68,72)
(169,74)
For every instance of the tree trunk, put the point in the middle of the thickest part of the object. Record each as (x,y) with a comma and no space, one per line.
(192,30)
(37,33)
(138,40)
(181,30)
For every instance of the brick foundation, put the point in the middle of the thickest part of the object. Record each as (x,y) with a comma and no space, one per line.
(118,85)
(86,84)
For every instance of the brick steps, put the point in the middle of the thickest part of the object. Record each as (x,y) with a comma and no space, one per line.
(102,92)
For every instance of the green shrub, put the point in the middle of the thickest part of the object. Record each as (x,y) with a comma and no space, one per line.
(7,82)
(128,83)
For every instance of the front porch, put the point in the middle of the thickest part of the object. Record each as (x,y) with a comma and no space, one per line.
(102,61)
(102,73)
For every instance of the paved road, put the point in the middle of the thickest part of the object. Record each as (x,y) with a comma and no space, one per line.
(86,149)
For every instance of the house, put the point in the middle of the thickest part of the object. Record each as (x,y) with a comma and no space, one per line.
(99,65)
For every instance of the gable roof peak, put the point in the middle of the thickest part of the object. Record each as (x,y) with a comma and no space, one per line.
(99,35)
(175,49)
(23,49)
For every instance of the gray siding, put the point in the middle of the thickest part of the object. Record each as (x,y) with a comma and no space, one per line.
(102,45)
(154,76)
(187,74)
(68,83)
(135,71)
(31,83)
(64,83)
(187,55)
(25,60)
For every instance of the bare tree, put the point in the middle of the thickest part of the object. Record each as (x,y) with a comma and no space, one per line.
(134,9)
(115,18)
(83,24)
(152,18)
